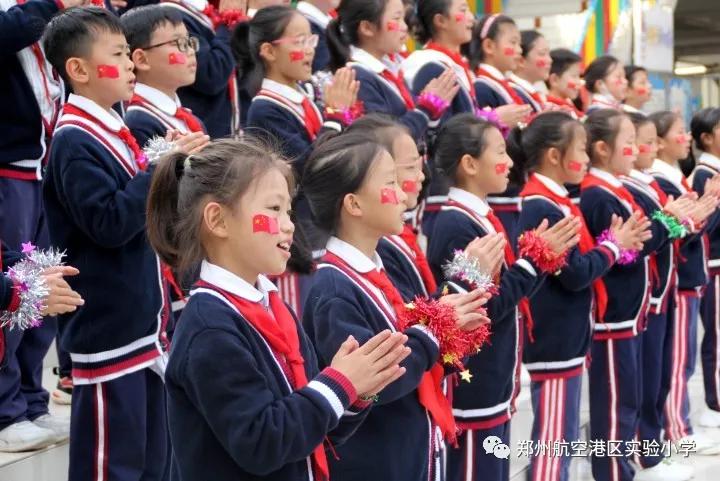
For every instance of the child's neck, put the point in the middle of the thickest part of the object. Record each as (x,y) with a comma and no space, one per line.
(556,93)
(278,77)
(604,169)
(493,63)
(90,94)
(715,152)
(442,39)
(225,261)
(472,188)
(523,75)
(634,103)
(150,82)
(359,237)
(669,160)
(374,50)
(551,173)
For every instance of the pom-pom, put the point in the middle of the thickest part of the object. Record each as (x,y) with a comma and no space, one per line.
(467,269)
(627,256)
(441,320)
(156,148)
(491,116)
(435,105)
(675,228)
(347,115)
(28,280)
(535,248)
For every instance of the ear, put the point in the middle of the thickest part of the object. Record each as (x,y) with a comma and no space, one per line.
(554,156)
(521,63)
(706,138)
(351,205)
(139,58)
(267,52)
(468,165)
(214,219)
(367,29)
(553,80)
(77,70)
(487,45)
(603,149)
(440,21)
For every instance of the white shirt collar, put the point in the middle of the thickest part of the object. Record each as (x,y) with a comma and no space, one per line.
(158,98)
(606,176)
(524,84)
(314,14)
(352,255)
(228,281)
(606,100)
(110,118)
(552,185)
(469,199)
(364,58)
(199,5)
(493,71)
(674,174)
(293,95)
(709,159)
(631,110)
(251,12)
(641,176)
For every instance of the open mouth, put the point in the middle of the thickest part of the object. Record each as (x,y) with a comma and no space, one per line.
(285,245)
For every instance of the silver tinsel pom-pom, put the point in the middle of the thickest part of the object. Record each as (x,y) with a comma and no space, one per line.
(27,276)
(466,269)
(156,148)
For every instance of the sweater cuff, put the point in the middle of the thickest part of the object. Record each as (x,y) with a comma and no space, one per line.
(613,250)
(527,265)
(337,389)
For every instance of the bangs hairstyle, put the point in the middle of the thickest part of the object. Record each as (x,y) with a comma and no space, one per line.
(488,27)
(74,32)
(342,31)
(664,121)
(598,70)
(704,122)
(527,41)
(638,119)
(526,147)
(630,71)
(266,26)
(602,125)
(336,168)
(562,60)
(381,128)
(462,134)
(422,22)
(182,185)
(140,23)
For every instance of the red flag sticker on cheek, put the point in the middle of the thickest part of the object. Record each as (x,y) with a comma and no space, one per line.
(681,139)
(542,63)
(571,84)
(501,168)
(510,51)
(459,17)
(645,148)
(108,71)
(409,186)
(575,166)
(393,26)
(628,151)
(177,58)
(297,56)
(265,223)
(388,196)
(641,91)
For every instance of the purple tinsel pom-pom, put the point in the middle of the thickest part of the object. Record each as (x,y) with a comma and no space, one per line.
(627,256)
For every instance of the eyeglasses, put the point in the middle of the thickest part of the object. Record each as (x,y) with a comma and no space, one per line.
(183,44)
(303,41)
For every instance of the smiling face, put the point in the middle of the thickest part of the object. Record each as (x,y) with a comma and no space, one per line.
(614,83)
(166,65)
(409,165)
(675,145)
(392,33)
(504,52)
(459,21)
(535,67)
(291,55)
(647,144)
(575,162)
(488,173)
(640,92)
(624,151)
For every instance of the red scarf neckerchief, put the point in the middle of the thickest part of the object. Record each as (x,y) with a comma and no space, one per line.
(181,113)
(312,119)
(504,83)
(430,392)
(565,104)
(535,186)
(592,180)
(280,331)
(410,237)
(460,61)
(399,82)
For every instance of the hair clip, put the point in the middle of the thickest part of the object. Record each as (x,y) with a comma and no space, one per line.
(486,27)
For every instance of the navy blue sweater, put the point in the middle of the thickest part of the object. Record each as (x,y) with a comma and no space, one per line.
(707,167)
(398,260)
(497,364)
(209,96)
(246,423)
(100,223)
(23,138)
(395,441)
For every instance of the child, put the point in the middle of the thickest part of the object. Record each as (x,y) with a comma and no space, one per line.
(564,82)
(471,153)
(213,95)
(119,338)
(639,89)
(674,145)
(367,36)
(317,13)
(606,82)
(704,129)
(228,206)
(553,149)
(351,184)
(533,67)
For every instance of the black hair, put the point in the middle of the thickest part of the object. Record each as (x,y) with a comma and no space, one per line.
(527,40)
(462,134)
(562,60)
(598,70)
(266,26)
(638,119)
(704,122)
(602,125)
(631,70)
(663,121)
(336,168)
(73,32)
(382,128)
(140,23)
(526,146)
(342,32)
(475,50)
(422,23)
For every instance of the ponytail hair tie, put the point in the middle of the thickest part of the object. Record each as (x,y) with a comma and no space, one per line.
(488,24)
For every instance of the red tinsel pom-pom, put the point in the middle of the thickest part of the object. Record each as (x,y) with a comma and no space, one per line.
(535,248)
(441,320)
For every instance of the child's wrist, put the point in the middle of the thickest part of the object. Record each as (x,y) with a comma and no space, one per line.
(432,104)
(627,256)
(533,247)
(676,228)
(346,116)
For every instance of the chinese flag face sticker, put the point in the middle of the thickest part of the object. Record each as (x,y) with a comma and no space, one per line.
(541,63)
(681,139)
(108,71)
(644,148)
(177,58)
(297,56)
(264,223)
(510,51)
(628,151)
(571,84)
(501,169)
(459,17)
(393,26)
(641,91)
(575,166)
(409,186)
(388,196)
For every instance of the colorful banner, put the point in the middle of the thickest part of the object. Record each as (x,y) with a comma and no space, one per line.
(482,7)
(601,20)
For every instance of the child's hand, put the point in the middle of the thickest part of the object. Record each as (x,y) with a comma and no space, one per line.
(704,207)
(712,186)
(632,233)
(562,236)
(373,365)
(468,308)
(342,92)
(681,207)
(61,298)
(513,114)
(227,5)
(489,251)
(191,143)
(445,86)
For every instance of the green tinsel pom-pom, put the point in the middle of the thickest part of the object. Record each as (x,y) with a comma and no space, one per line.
(675,229)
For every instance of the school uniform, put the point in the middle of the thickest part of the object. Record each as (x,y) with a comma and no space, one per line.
(399,440)
(707,167)
(406,265)
(616,367)
(31,93)
(117,340)
(481,412)
(9,294)
(530,94)
(214,95)
(566,105)
(564,310)
(602,101)
(259,422)
(319,21)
